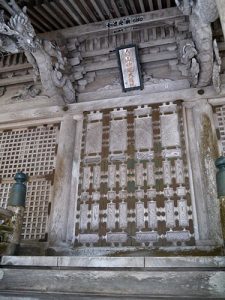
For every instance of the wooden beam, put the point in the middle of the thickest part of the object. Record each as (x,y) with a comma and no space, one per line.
(14,68)
(51,12)
(162,16)
(168,3)
(142,6)
(37,24)
(40,19)
(89,11)
(104,5)
(19,113)
(78,10)
(115,8)
(98,10)
(144,58)
(70,11)
(37,122)
(148,88)
(61,13)
(124,7)
(151,43)
(17,80)
(159,2)
(150,3)
(47,16)
(132,5)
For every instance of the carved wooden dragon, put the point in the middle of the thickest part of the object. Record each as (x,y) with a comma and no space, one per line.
(19,35)
(201,13)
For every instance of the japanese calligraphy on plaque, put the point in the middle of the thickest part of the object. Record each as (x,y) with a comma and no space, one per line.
(129,68)
(124,21)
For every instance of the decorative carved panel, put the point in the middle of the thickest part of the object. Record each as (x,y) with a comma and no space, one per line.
(137,192)
(220,115)
(33,151)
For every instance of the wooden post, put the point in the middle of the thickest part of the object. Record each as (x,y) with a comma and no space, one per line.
(203,149)
(62,182)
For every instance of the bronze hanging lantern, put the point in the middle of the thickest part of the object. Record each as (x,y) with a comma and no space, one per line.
(17,194)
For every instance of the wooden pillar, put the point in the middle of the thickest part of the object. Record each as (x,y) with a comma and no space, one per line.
(221,10)
(62,182)
(75,180)
(203,149)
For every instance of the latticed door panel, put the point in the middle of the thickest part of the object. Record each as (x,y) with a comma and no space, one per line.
(31,150)
(134,186)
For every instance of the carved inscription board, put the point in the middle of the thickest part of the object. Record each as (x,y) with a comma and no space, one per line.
(134,185)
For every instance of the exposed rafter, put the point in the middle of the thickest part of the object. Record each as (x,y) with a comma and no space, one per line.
(39,20)
(48,15)
(151,7)
(159,2)
(61,13)
(124,7)
(164,16)
(70,12)
(105,7)
(115,8)
(132,5)
(52,13)
(168,3)
(142,6)
(88,10)
(93,2)
(78,10)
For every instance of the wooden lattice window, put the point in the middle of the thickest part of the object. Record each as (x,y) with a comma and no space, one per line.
(31,150)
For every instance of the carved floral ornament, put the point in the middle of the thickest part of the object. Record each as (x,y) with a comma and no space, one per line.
(47,60)
(200,55)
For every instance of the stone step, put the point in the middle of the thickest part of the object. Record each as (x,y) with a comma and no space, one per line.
(113,284)
(151,262)
(112,277)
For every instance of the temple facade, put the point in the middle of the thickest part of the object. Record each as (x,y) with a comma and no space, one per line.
(116,112)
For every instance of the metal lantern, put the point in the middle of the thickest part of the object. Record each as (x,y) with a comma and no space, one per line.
(17,194)
(220,176)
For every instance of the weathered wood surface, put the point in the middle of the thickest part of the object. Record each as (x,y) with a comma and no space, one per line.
(145,58)
(16,67)
(152,43)
(203,155)
(152,262)
(74,181)
(46,109)
(192,283)
(62,180)
(149,17)
(16,80)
